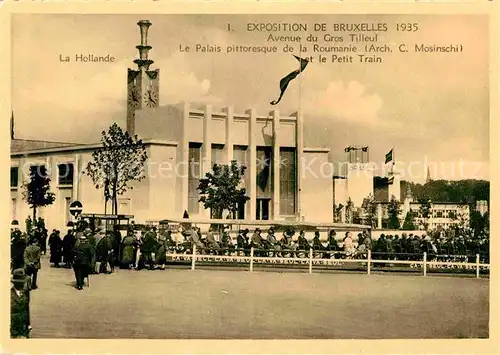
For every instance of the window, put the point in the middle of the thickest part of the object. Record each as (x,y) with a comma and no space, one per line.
(14,208)
(194,172)
(263,169)
(287,181)
(217,154)
(240,155)
(240,212)
(14,176)
(262,212)
(39,170)
(65,174)
(439,214)
(66,210)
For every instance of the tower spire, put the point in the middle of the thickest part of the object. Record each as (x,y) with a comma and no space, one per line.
(143,62)
(428,178)
(143,83)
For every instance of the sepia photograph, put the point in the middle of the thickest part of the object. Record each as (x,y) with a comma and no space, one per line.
(250,176)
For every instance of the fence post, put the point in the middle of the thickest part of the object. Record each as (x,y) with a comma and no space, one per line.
(425,263)
(477,266)
(310,260)
(369,261)
(193,261)
(251,259)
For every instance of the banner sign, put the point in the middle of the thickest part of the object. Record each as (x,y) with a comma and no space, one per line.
(445,265)
(261,260)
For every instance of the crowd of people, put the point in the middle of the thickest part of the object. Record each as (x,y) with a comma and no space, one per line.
(89,250)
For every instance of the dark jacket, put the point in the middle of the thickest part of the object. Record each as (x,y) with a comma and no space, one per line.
(83,254)
(149,244)
(17,246)
(19,313)
(32,256)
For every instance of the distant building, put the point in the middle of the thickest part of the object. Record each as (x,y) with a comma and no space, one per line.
(443,214)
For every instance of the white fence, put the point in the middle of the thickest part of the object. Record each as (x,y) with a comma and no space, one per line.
(312,262)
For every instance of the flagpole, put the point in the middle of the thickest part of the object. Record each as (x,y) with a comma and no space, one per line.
(299,124)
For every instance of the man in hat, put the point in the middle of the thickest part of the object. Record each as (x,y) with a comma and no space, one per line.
(92,242)
(19,306)
(32,255)
(68,245)
(83,260)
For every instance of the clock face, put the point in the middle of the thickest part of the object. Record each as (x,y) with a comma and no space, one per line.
(134,98)
(151,98)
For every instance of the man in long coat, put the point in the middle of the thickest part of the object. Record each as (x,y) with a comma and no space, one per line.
(17,246)
(128,250)
(148,247)
(83,260)
(32,263)
(69,242)
(56,247)
(19,306)
(103,253)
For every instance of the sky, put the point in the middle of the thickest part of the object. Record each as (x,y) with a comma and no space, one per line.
(429,107)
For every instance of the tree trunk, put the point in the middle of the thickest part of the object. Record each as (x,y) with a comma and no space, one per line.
(34,213)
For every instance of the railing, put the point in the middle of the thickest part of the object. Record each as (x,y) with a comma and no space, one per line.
(334,260)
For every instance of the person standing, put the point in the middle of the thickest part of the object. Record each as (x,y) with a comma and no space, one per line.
(83,260)
(92,241)
(56,247)
(20,326)
(148,247)
(128,250)
(32,255)
(68,245)
(17,246)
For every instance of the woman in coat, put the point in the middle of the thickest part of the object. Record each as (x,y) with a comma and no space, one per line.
(56,247)
(129,245)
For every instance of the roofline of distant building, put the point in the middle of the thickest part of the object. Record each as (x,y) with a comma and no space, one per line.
(44,141)
(84,147)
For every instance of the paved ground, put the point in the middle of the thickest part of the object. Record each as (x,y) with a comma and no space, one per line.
(225,304)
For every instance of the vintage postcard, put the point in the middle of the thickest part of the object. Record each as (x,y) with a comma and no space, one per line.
(186,177)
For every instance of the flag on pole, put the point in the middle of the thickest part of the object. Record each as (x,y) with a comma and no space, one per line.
(388,156)
(286,80)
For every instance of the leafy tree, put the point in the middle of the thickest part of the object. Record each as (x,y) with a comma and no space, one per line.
(36,192)
(408,223)
(220,189)
(121,159)
(425,210)
(394,209)
(29,223)
(369,208)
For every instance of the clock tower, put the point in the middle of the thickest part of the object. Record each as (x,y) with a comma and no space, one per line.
(143,84)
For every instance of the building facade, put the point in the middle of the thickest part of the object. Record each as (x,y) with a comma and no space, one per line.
(283,179)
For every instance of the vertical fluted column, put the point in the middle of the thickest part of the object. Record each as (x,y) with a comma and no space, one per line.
(184,152)
(299,135)
(206,152)
(252,168)
(276,164)
(228,145)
